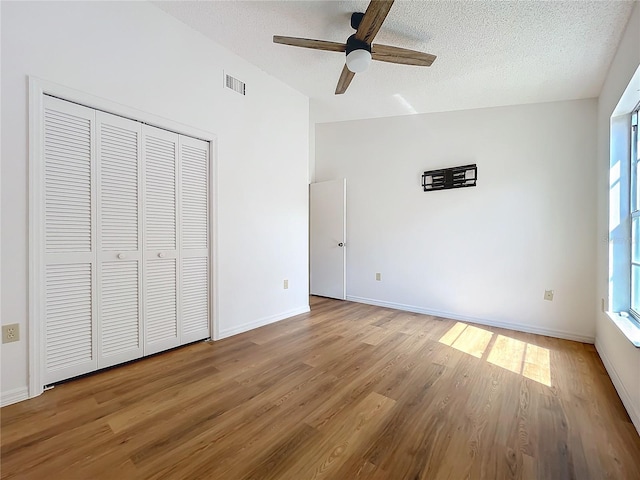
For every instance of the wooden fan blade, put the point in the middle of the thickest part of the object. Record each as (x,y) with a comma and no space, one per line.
(345,79)
(309,43)
(387,53)
(372,21)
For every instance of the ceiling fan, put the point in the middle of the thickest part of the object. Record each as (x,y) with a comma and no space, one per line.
(359,48)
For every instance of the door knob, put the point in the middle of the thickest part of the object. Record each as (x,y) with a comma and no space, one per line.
(341,244)
(121,256)
(161,255)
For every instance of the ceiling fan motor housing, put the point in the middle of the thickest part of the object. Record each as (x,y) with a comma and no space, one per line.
(354,44)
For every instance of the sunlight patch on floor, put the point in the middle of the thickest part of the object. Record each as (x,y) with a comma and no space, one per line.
(453,333)
(507,353)
(467,339)
(526,359)
(537,364)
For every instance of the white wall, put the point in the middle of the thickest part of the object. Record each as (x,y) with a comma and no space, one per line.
(621,358)
(487,253)
(135,54)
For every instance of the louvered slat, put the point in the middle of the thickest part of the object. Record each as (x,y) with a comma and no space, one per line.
(118,188)
(160,300)
(195,295)
(67,158)
(119,307)
(160,201)
(69,329)
(195,212)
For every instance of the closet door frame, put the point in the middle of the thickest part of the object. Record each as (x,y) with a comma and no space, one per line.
(38,89)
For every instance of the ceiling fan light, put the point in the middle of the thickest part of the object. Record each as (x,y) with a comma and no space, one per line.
(358,60)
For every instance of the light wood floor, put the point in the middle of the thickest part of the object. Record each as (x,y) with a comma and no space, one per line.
(348,391)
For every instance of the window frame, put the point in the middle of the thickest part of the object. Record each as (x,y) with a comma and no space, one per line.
(634,209)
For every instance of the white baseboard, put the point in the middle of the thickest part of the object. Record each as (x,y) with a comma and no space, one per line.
(481,321)
(620,388)
(14,396)
(245,327)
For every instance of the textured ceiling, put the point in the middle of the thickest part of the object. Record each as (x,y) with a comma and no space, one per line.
(490,53)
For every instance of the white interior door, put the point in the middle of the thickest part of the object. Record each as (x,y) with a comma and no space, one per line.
(160,279)
(194,240)
(69,241)
(328,238)
(119,239)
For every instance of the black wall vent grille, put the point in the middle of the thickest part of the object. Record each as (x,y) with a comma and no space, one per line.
(446,178)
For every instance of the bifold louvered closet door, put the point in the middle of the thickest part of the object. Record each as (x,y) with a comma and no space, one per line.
(119,239)
(69,241)
(194,234)
(126,240)
(161,239)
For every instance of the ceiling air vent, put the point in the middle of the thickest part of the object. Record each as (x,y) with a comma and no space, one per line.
(234,84)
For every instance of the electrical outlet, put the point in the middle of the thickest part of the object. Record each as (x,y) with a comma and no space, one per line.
(10,333)
(548,295)
(286,284)
(378,277)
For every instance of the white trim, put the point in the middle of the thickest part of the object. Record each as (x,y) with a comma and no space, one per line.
(87,100)
(14,396)
(620,388)
(37,89)
(344,238)
(36,245)
(481,321)
(245,327)
(179,247)
(213,239)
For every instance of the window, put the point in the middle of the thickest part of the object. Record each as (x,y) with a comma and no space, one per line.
(623,305)
(634,209)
